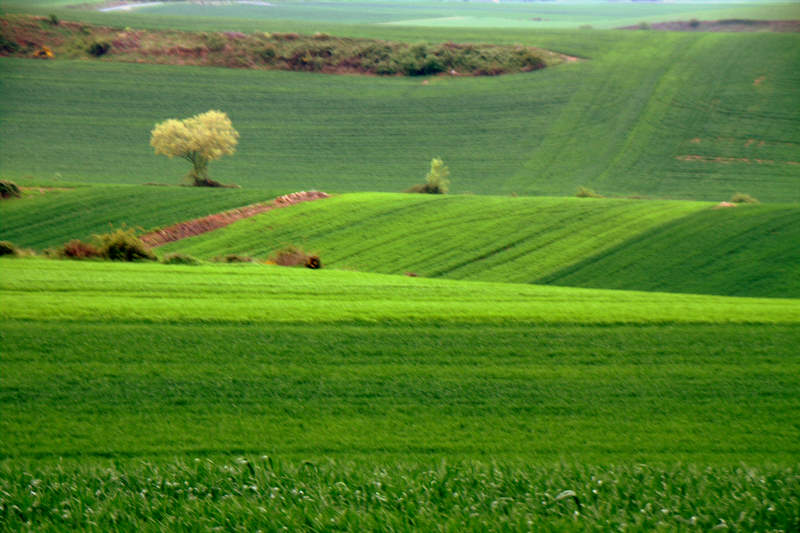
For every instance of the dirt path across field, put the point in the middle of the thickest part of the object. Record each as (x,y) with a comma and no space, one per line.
(198,226)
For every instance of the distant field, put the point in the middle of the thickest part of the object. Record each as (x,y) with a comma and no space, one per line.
(637,118)
(622,244)
(40,221)
(522,15)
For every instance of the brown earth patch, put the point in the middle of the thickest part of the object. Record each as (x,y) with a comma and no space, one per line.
(723,205)
(696,140)
(710,159)
(208,223)
(759,80)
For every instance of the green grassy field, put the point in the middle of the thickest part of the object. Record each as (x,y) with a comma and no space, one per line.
(40,221)
(530,16)
(622,244)
(638,117)
(151,397)
(148,362)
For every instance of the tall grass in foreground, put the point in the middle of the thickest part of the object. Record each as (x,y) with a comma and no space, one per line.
(252,493)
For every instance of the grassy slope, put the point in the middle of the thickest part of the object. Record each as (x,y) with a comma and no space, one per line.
(625,244)
(39,221)
(621,123)
(753,250)
(249,358)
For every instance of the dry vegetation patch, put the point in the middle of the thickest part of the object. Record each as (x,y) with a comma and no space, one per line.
(28,36)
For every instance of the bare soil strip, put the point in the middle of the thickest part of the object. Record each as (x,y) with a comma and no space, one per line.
(198,226)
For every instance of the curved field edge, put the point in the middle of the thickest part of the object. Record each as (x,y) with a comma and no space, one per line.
(54,217)
(652,245)
(656,114)
(39,289)
(260,492)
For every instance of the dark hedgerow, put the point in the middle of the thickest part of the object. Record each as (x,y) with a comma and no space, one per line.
(123,245)
(99,48)
(8,248)
(180,259)
(9,189)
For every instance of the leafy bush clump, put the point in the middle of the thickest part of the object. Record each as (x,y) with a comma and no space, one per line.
(99,48)
(8,46)
(123,245)
(741,198)
(9,189)
(585,192)
(295,256)
(180,259)
(76,249)
(8,248)
(436,181)
(53,20)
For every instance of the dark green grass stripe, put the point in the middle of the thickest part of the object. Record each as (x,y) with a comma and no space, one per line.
(747,251)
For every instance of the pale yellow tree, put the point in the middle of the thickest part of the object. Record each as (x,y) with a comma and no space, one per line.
(437,179)
(200,139)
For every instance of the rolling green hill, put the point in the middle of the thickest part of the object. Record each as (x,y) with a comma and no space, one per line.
(40,221)
(668,115)
(311,363)
(752,250)
(209,388)
(625,244)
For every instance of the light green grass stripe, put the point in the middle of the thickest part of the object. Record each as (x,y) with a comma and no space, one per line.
(63,290)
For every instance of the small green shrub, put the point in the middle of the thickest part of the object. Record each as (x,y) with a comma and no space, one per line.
(53,20)
(123,245)
(215,42)
(643,26)
(742,198)
(9,189)
(694,23)
(233,258)
(99,48)
(425,188)
(8,248)
(180,259)
(7,46)
(437,180)
(76,249)
(585,192)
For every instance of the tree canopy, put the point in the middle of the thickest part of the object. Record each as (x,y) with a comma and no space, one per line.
(199,139)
